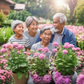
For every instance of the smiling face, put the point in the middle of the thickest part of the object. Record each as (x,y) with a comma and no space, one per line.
(33,27)
(46,36)
(57,25)
(19,29)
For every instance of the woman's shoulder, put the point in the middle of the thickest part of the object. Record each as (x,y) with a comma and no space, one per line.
(38,31)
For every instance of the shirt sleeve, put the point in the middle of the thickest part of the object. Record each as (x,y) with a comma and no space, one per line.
(27,43)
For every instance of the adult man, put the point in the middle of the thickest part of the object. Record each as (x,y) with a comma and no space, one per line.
(60,33)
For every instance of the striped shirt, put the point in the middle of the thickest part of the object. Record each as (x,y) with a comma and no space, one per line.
(24,41)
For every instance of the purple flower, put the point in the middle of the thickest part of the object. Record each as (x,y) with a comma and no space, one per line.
(66,80)
(36,54)
(65,51)
(59,80)
(54,50)
(47,78)
(45,50)
(9,55)
(41,56)
(55,44)
(80,79)
(40,49)
(57,74)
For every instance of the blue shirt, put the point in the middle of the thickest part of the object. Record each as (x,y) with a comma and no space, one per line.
(68,36)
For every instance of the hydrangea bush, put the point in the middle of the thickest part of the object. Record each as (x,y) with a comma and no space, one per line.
(40,66)
(16,59)
(66,61)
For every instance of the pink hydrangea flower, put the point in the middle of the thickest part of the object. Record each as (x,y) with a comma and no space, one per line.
(66,46)
(65,51)
(71,45)
(74,49)
(41,56)
(80,79)
(36,54)
(25,52)
(45,50)
(54,50)
(67,80)
(78,48)
(3,50)
(40,49)
(55,44)
(18,52)
(47,78)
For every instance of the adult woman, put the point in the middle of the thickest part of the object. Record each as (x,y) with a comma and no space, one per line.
(32,31)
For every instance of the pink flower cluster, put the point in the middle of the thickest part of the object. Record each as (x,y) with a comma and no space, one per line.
(55,44)
(37,79)
(80,79)
(67,45)
(41,56)
(5,76)
(59,79)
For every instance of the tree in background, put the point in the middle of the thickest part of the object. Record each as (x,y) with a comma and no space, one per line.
(79,11)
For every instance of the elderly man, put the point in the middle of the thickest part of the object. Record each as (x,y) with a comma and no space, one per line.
(60,33)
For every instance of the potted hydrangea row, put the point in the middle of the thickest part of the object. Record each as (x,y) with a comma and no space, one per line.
(40,68)
(16,62)
(66,61)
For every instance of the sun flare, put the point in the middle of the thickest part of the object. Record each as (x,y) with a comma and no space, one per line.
(59,3)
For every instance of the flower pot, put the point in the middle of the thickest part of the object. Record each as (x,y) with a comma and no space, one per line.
(18,81)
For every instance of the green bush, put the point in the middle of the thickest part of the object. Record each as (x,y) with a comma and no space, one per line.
(5,34)
(2,18)
(20,15)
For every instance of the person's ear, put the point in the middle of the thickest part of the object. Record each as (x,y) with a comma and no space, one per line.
(64,23)
(14,29)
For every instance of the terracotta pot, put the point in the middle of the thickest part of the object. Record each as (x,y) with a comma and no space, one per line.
(18,81)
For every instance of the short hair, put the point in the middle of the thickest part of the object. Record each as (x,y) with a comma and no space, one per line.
(30,19)
(45,28)
(61,17)
(15,23)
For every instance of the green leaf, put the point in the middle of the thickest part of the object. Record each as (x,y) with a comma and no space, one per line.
(26,75)
(19,75)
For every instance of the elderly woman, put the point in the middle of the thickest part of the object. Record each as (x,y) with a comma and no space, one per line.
(45,35)
(32,31)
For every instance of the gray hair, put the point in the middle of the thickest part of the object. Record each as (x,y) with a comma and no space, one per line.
(15,23)
(45,28)
(30,19)
(61,16)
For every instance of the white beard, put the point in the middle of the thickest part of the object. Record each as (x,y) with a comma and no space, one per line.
(56,30)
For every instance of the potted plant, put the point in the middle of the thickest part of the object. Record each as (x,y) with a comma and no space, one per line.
(16,62)
(40,67)
(65,61)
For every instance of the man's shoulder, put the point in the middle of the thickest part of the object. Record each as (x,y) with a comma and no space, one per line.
(67,31)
